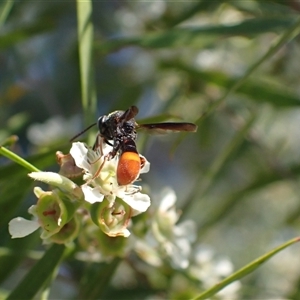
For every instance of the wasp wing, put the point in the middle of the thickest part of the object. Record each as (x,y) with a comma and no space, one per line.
(168,127)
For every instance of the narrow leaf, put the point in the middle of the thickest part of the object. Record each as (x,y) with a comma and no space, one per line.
(39,274)
(96,282)
(5,10)
(258,91)
(85,45)
(199,36)
(245,270)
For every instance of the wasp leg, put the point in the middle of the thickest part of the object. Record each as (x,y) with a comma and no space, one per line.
(100,168)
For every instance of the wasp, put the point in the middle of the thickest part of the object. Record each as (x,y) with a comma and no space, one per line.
(119,130)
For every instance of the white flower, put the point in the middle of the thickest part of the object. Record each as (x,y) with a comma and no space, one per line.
(101,179)
(138,202)
(175,239)
(54,129)
(146,250)
(92,195)
(210,269)
(167,238)
(179,248)
(20,227)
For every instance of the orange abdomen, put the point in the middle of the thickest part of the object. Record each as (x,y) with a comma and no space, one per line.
(129,167)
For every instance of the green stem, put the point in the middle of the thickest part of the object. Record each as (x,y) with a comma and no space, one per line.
(17,159)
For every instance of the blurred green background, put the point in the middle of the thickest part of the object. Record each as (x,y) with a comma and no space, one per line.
(209,62)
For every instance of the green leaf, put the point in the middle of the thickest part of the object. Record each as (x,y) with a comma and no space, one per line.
(260,181)
(288,35)
(12,197)
(245,270)
(85,45)
(39,274)
(219,163)
(23,33)
(95,283)
(199,36)
(5,10)
(192,10)
(31,163)
(15,175)
(255,89)
(13,254)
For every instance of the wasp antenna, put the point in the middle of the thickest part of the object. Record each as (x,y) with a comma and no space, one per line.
(82,132)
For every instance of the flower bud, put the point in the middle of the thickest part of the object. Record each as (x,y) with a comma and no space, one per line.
(52,211)
(59,181)
(111,246)
(99,245)
(67,164)
(67,233)
(113,218)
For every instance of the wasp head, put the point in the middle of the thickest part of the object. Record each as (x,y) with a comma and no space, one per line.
(106,130)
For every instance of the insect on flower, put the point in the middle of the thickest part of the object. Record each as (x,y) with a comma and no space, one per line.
(118,129)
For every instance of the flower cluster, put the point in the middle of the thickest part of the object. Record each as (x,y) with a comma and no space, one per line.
(172,243)
(167,240)
(61,211)
(208,268)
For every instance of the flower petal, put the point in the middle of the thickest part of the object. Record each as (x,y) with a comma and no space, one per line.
(20,227)
(146,167)
(148,253)
(121,232)
(180,253)
(79,153)
(91,195)
(169,199)
(138,202)
(186,229)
